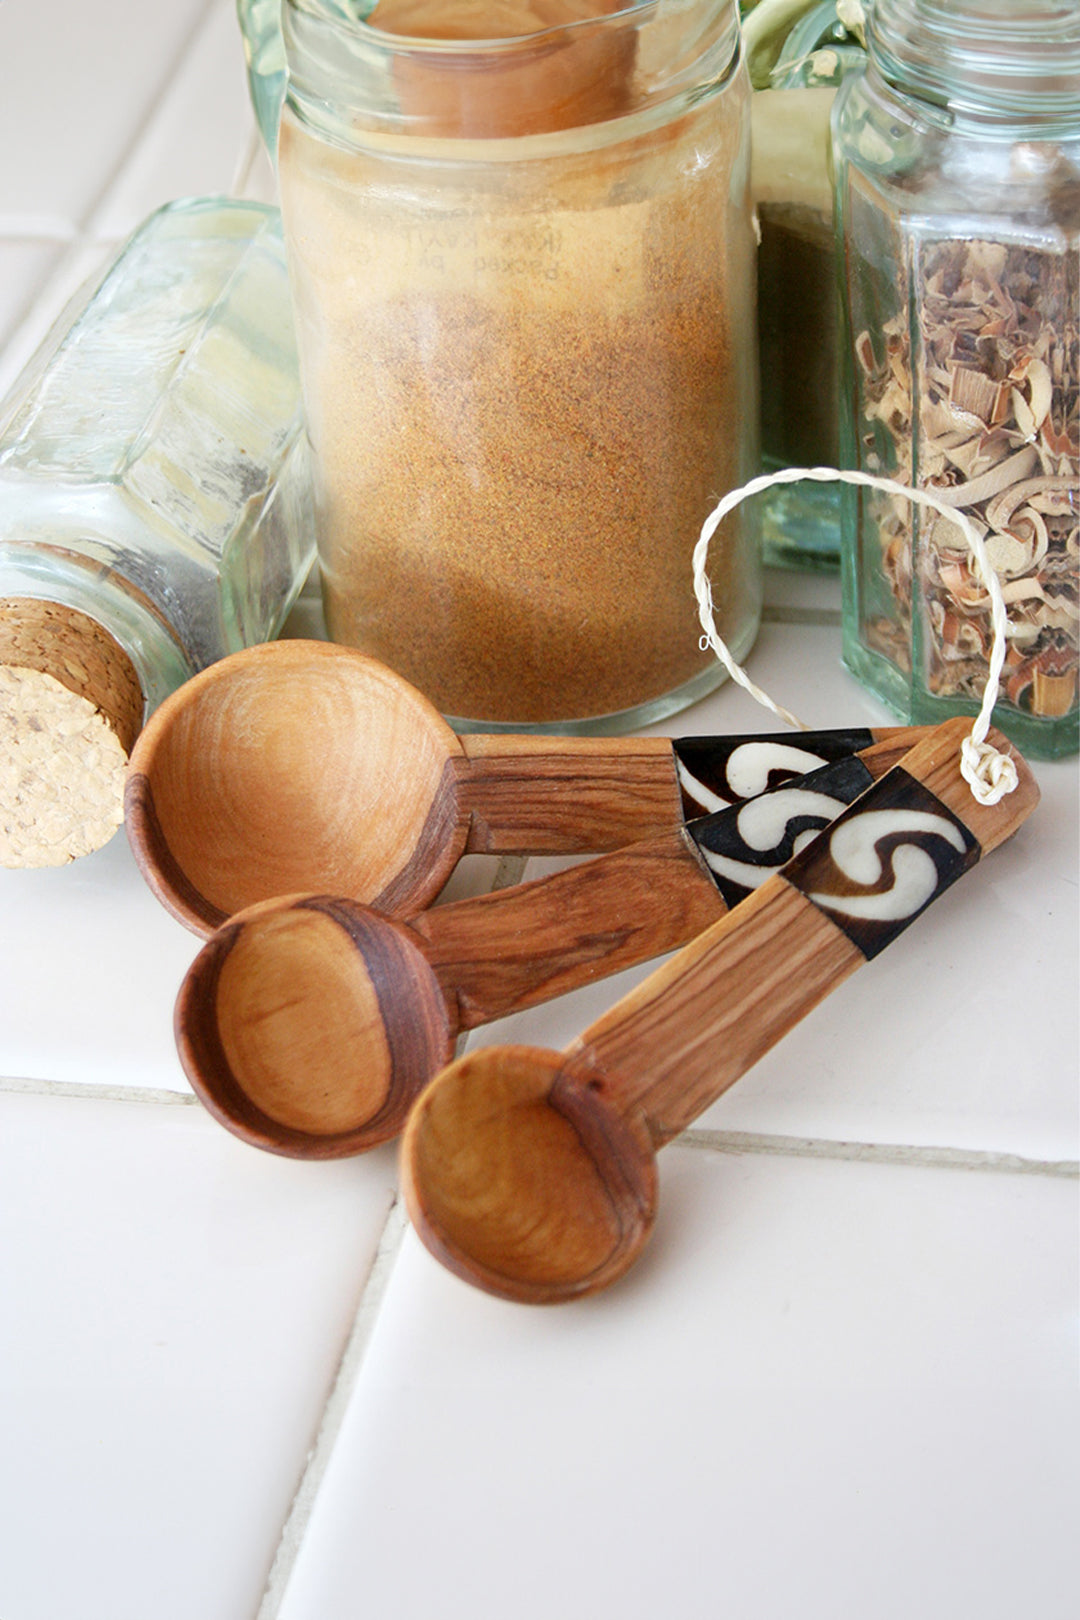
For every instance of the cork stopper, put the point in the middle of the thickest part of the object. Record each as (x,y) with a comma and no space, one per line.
(70,709)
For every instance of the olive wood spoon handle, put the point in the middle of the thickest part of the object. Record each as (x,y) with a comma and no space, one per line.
(305,766)
(309,1024)
(532,1174)
(576,795)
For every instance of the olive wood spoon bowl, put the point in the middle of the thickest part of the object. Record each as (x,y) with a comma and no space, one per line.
(309,1024)
(305,766)
(532,1174)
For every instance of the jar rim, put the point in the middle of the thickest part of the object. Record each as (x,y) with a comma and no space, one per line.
(345,78)
(1001,59)
(347,22)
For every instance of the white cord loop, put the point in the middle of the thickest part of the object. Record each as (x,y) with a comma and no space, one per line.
(989,773)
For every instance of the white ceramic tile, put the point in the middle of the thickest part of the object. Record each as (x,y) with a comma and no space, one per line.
(796,591)
(37,227)
(306,618)
(77,89)
(828,1388)
(196,141)
(63,278)
(798,665)
(24,268)
(90,965)
(175,1305)
(257,180)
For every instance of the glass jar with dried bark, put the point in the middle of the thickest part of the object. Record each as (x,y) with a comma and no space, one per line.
(522,260)
(958,203)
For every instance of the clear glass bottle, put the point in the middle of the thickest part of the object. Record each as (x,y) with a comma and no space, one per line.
(523,275)
(264,56)
(958,204)
(155,508)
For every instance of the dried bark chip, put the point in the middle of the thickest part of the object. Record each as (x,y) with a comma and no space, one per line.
(998,424)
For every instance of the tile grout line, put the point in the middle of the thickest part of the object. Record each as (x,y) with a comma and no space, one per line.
(752,1142)
(294,1529)
(509,872)
(95,1091)
(927,1157)
(131,148)
(37,230)
(79,234)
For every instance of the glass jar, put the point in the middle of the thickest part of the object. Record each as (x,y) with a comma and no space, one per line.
(523,279)
(155,508)
(958,204)
(796,69)
(264,58)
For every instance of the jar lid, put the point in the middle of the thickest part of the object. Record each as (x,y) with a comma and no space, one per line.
(1007,59)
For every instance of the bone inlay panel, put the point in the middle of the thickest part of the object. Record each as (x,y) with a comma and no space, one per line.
(715,772)
(885,860)
(744,846)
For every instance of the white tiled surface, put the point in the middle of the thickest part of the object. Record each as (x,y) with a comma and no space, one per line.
(785,1411)
(174,1311)
(80,85)
(843,1382)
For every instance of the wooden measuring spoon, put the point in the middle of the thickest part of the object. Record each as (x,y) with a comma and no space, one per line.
(309,1024)
(533,1173)
(305,766)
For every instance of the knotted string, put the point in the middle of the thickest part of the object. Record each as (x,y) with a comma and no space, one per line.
(989,773)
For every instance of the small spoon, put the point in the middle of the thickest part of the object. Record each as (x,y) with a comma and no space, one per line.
(532,1174)
(309,1024)
(305,766)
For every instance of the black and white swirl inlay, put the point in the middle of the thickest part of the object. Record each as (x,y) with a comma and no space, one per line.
(746,844)
(884,861)
(715,772)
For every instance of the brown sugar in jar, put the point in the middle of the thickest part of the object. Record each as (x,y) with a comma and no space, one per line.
(528,359)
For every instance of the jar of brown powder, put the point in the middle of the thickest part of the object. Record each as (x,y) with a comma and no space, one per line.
(523,269)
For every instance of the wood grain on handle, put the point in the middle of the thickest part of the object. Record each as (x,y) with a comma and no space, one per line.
(532,1173)
(676,1042)
(565,795)
(308,767)
(309,1023)
(519,946)
(673,1045)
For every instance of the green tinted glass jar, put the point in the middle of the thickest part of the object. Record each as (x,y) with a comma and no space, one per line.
(797,305)
(958,209)
(523,272)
